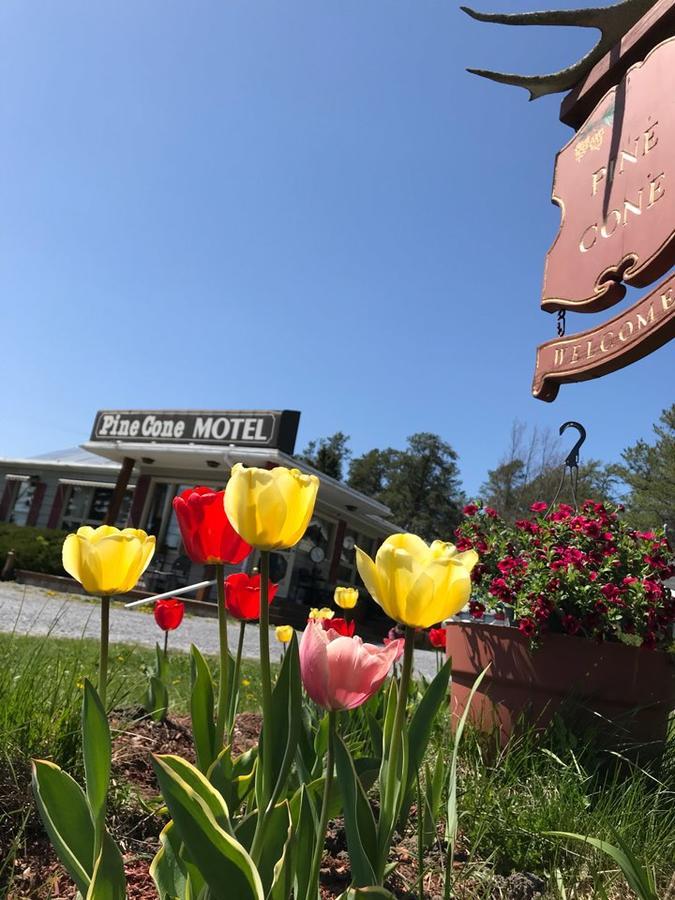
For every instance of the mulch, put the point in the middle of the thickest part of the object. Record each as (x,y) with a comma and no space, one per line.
(137,820)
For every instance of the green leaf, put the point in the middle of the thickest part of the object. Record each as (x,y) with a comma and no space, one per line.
(282,881)
(161,665)
(97,751)
(167,869)
(452,819)
(221,860)
(374,892)
(375,730)
(233,778)
(305,822)
(359,821)
(201,710)
(233,687)
(423,718)
(201,786)
(64,812)
(637,877)
(284,728)
(108,882)
(277,832)
(156,702)
(321,738)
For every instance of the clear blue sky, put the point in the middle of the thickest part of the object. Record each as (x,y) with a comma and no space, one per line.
(306,204)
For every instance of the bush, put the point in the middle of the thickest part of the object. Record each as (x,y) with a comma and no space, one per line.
(37,549)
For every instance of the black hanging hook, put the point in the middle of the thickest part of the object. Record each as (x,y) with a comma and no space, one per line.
(572,458)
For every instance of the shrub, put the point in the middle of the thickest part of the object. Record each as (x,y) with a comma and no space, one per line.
(37,549)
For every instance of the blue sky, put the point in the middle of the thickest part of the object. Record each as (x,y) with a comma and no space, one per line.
(252,204)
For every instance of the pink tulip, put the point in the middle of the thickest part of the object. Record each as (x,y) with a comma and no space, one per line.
(342,672)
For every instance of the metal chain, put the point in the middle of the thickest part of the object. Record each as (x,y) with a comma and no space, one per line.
(560,324)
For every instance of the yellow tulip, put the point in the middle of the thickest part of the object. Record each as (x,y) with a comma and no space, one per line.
(284,633)
(270,508)
(107,560)
(318,614)
(416,584)
(346,597)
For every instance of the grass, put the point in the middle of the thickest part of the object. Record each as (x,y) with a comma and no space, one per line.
(508,798)
(41,683)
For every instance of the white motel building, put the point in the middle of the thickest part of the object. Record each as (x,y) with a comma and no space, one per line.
(136,461)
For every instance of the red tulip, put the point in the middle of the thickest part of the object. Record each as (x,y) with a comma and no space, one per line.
(208,536)
(342,626)
(242,595)
(169,613)
(342,672)
(437,638)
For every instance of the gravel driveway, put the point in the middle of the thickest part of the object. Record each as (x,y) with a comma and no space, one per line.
(32,610)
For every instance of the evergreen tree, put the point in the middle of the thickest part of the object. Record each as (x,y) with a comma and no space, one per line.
(648,471)
(420,485)
(329,455)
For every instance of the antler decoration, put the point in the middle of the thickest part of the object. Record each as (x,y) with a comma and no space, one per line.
(612,22)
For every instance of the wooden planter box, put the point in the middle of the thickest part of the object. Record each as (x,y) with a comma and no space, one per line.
(626,691)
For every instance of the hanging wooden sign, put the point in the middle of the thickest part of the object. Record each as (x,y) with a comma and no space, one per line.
(615,184)
(646,326)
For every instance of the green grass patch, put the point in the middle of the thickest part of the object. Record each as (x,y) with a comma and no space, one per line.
(555,780)
(41,682)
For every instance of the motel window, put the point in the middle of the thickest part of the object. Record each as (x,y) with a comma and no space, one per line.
(346,571)
(24,491)
(311,569)
(87,504)
(161,519)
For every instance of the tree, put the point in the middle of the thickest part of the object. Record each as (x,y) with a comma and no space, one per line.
(420,484)
(369,473)
(532,470)
(329,454)
(648,471)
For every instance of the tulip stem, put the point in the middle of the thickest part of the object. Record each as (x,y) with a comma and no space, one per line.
(325,804)
(232,714)
(103,649)
(265,672)
(223,693)
(166,645)
(396,738)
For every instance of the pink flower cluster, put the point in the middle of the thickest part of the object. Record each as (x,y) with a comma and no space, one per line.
(583,572)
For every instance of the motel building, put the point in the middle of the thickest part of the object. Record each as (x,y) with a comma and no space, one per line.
(137,461)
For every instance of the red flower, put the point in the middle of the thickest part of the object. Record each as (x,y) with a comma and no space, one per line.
(564,511)
(649,640)
(594,530)
(206,531)
(169,613)
(242,595)
(500,589)
(542,608)
(437,638)
(527,626)
(539,506)
(610,592)
(492,513)
(571,624)
(476,608)
(463,543)
(527,525)
(342,626)
(470,509)
(652,588)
